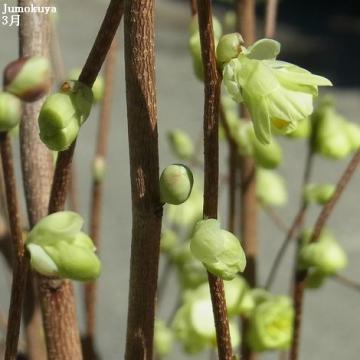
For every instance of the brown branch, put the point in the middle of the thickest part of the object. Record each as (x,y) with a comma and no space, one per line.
(20,264)
(300,276)
(246,25)
(144,173)
(96,195)
(193,7)
(343,280)
(212,82)
(36,163)
(270,18)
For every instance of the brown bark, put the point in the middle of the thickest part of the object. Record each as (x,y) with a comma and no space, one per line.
(270,18)
(212,83)
(36,162)
(96,197)
(144,172)
(20,262)
(246,25)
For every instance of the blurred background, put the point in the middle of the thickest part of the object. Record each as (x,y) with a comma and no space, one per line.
(321,36)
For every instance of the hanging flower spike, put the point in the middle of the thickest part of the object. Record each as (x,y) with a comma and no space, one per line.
(276,93)
(58,247)
(219,250)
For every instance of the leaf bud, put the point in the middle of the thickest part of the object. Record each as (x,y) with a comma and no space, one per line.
(229,47)
(176,182)
(29,78)
(99,169)
(10,111)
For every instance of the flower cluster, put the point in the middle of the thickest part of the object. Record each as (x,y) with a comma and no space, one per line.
(276,93)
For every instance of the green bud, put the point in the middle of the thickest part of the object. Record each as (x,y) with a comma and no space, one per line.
(271,325)
(181,144)
(62,115)
(319,193)
(330,139)
(241,132)
(270,188)
(10,111)
(353,133)
(163,338)
(303,129)
(176,182)
(98,88)
(235,291)
(326,256)
(168,241)
(189,212)
(315,279)
(219,250)
(29,78)
(268,156)
(58,247)
(99,169)
(230,19)
(229,47)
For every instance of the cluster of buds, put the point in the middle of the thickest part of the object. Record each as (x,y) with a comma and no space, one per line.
(219,250)
(58,248)
(63,113)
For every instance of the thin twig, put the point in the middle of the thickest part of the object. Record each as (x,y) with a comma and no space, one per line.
(276,218)
(88,76)
(193,7)
(270,18)
(344,280)
(300,276)
(212,82)
(20,266)
(97,192)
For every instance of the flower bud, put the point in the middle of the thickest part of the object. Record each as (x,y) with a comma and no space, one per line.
(181,144)
(270,188)
(218,249)
(271,325)
(302,131)
(235,291)
(58,247)
(315,279)
(326,256)
(10,111)
(176,182)
(28,78)
(268,156)
(330,139)
(62,115)
(319,193)
(229,47)
(353,133)
(99,169)
(168,241)
(163,338)
(98,88)
(189,212)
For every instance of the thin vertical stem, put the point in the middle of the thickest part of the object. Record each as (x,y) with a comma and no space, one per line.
(139,37)
(212,82)
(246,25)
(36,163)
(20,266)
(96,194)
(270,18)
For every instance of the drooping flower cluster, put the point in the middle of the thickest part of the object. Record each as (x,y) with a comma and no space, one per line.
(276,93)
